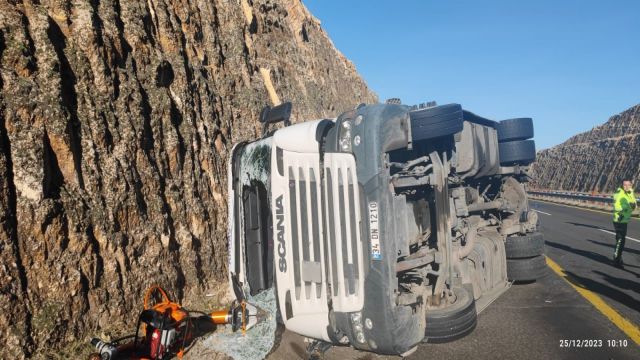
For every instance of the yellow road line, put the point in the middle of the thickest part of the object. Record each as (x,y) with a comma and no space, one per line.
(618,320)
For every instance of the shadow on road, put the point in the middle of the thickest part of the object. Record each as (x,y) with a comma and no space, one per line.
(603,289)
(588,226)
(612,245)
(621,283)
(588,254)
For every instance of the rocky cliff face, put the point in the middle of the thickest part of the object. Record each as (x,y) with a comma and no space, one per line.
(116,120)
(596,160)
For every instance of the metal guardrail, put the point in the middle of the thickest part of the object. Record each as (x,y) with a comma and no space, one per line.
(607,199)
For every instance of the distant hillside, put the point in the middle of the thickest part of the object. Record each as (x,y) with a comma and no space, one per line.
(595,160)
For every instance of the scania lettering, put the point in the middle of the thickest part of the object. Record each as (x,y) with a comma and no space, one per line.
(282,263)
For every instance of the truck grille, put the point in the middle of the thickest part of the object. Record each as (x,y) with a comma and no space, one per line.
(343,243)
(325,240)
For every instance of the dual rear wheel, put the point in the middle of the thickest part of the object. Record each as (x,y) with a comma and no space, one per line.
(525,257)
(513,144)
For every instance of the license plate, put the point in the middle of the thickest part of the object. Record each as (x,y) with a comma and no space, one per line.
(374,232)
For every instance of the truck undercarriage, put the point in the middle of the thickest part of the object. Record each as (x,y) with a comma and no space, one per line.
(385,227)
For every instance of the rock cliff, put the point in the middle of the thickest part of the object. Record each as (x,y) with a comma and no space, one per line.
(116,121)
(594,161)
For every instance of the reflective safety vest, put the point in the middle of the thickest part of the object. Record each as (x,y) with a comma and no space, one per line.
(622,207)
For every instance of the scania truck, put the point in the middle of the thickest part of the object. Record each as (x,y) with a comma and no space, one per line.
(387,226)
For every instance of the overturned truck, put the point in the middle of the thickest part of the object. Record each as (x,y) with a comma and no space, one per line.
(385,227)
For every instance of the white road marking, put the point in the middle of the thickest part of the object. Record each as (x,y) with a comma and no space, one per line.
(541,212)
(612,233)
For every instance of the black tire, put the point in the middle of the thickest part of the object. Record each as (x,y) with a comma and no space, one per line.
(515,129)
(454,321)
(524,246)
(526,270)
(520,152)
(436,122)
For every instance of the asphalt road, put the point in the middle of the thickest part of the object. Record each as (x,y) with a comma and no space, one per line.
(532,320)
(582,242)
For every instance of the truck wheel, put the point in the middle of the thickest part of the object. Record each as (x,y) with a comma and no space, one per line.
(520,152)
(515,129)
(524,246)
(436,121)
(526,270)
(453,322)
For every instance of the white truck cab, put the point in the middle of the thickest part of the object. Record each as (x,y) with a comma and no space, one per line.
(386,226)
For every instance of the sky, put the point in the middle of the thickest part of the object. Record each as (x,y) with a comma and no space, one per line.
(569,65)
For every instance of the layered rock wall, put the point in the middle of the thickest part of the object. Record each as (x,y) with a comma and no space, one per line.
(594,161)
(116,121)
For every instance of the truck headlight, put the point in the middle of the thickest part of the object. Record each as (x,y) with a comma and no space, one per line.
(344,139)
(356,323)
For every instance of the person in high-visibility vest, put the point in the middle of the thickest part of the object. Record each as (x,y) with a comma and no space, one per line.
(624,202)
